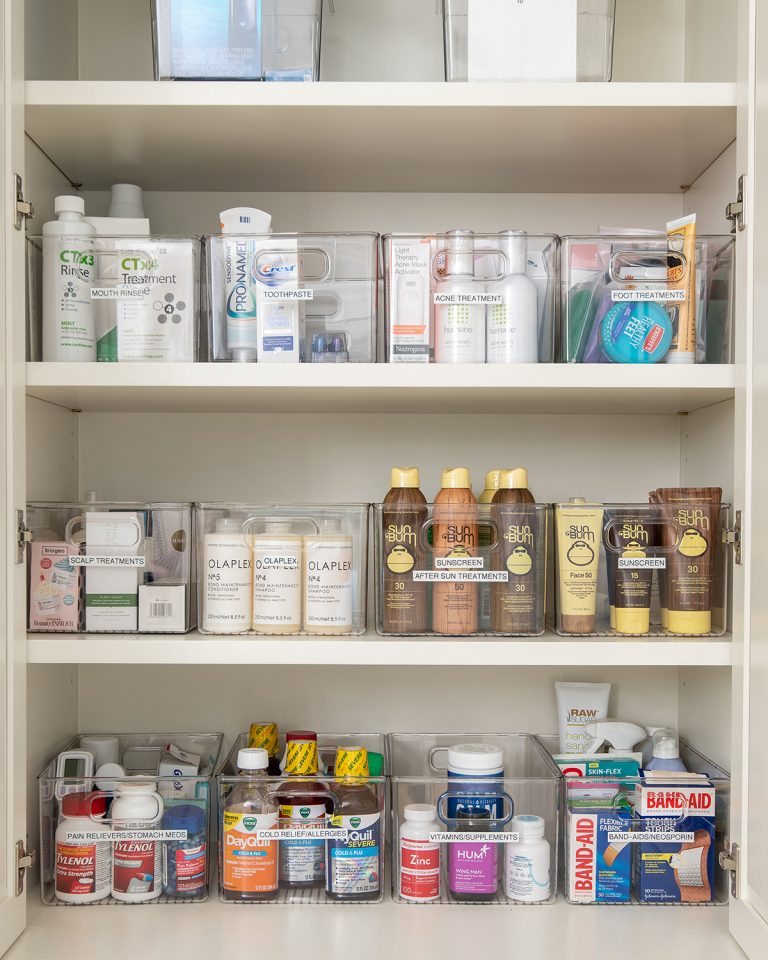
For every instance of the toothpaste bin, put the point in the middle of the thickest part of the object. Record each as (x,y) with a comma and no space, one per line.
(85,821)
(108,567)
(292,297)
(352,847)
(606,278)
(464,856)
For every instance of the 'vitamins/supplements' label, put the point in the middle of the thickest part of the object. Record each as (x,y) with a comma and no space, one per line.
(137,866)
(328,583)
(249,865)
(83,869)
(302,861)
(419,870)
(354,864)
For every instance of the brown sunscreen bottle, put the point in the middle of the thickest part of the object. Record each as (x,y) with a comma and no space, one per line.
(455,538)
(404,602)
(514,604)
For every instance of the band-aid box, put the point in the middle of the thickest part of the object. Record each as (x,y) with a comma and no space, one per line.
(599,870)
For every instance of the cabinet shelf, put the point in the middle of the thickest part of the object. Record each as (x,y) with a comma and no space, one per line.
(424,137)
(383,388)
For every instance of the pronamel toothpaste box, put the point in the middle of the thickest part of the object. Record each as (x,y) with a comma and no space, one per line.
(54,588)
(598,868)
(410,301)
(675,859)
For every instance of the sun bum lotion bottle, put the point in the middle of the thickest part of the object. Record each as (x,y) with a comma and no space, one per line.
(227,571)
(405,601)
(628,541)
(328,580)
(304,805)
(353,866)
(578,533)
(455,539)
(137,865)
(239,224)
(459,304)
(512,325)
(515,604)
(69,256)
(277,579)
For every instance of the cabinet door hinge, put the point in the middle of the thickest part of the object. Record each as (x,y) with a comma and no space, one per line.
(729,860)
(23,536)
(24,861)
(734,211)
(733,536)
(24,209)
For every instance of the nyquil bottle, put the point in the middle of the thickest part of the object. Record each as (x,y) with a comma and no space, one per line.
(226,573)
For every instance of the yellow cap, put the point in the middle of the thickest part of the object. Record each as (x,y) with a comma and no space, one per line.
(491,486)
(633,620)
(352,762)
(264,735)
(516,479)
(404,477)
(301,757)
(455,477)
(692,622)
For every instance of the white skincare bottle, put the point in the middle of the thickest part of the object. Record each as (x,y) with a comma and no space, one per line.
(328,580)
(227,579)
(277,579)
(240,224)
(69,251)
(459,320)
(513,335)
(527,862)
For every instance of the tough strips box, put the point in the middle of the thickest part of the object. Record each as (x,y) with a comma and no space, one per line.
(679,866)
(598,871)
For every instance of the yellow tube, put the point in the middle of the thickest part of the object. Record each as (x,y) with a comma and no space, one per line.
(579,527)
(681,239)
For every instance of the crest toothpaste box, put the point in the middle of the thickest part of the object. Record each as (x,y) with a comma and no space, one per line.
(598,870)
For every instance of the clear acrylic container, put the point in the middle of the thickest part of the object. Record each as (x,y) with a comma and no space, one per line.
(599,275)
(237,40)
(492,580)
(292,297)
(138,296)
(515,41)
(464,297)
(641,569)
(106,567)
(469,805)
(278,569)
(170,861)
(360,873)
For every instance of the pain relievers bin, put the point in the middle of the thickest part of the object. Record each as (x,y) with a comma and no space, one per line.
(282,568)
(125,818)
(658,569)
(292,297)
(627,299)
(465,297)
(320,838)
(496,40)
(461,569)
(476,846)
(108,567)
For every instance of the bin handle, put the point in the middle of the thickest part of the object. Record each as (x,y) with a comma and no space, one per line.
(447,794)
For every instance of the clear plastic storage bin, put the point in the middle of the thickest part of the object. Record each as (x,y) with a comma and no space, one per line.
(330,848)
(461,570)
(626,299)
(464,297)
(113,298)
(657,569)
(125,818)
(500,40)
(237,39)
(291,297)
(282,568)
(436,858)
(110,567)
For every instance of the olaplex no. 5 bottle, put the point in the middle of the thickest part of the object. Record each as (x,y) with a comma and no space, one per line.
(227,582)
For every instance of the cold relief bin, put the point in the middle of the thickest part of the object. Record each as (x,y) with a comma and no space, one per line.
(237,39)
(290,297)
(282,568)
(465,297)
(475,819)
(641,569)
(461,569)
(101,567)
(499,40)
(125,818)
(312,831)
(633,299)
(113,298)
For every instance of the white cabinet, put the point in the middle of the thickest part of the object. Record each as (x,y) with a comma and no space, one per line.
(407,155)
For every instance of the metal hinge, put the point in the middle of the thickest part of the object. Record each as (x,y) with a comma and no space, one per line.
(729,860)
(735,210)
(733,536)
(23,536)
(24,861)
(24,209)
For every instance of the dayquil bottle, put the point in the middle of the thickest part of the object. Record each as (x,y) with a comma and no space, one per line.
(353,866)
(404,602)
(248,865)
(455,537)
(485,539)
(227,585)
(515,607)
(83,867)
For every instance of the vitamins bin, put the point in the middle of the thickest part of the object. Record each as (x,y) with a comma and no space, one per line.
(125,818)
(289,834)
(465,297)
(282,568)
(659,569)
(292,297)
(637,299)
(103,567)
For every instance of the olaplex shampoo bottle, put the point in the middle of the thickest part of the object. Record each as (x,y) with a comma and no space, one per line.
(459,304)
(328,580)
(512,325)
(227,572)
(277,579)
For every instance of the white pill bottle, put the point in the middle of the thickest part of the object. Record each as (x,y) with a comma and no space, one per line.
(83,866)
(137,864)
(419,880)
(527,861)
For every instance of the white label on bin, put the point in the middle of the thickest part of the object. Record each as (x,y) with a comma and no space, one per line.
(278,294)
(472,836)
(650,836)
(115,836)
(310,833)
(460,576)
(467,298)
(657,294)
(94,561)
(459,563)
(121,291)
(642,563)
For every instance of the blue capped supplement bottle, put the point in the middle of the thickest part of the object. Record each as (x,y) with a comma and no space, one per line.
(466,763)
(185,862)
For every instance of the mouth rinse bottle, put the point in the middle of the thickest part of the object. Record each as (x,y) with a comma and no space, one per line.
(666,752)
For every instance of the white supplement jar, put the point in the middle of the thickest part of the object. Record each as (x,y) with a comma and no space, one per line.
(419,879)
(526,862)
(83,867)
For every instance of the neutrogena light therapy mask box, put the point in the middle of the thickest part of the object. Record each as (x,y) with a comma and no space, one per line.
(410,299)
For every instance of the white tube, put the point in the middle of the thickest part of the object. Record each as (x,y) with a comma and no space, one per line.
(577,705)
